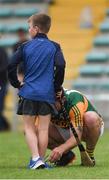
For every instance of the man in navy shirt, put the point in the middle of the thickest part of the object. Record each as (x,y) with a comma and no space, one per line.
(4,124)
(44,67)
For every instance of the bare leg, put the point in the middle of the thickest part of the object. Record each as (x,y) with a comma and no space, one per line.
(43,133)
(91,131)
(55,139)
(30,134)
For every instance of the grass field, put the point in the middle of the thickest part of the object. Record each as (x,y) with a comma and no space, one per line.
(14,157)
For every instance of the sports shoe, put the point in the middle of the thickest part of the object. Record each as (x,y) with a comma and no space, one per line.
(47,166)
(93,159)
(66,159)
(38,164)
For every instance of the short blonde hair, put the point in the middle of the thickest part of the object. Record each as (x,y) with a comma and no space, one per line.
(43,21)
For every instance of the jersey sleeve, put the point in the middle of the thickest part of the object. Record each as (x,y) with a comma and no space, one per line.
(12,68)
(76,114)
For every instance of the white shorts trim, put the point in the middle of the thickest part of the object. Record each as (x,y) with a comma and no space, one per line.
(102,128)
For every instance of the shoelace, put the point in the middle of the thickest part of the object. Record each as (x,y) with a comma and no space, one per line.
(46,160)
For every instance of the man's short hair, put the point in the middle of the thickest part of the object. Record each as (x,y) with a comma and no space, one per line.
(43,21)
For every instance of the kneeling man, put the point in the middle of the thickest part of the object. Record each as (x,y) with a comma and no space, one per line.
(87,122)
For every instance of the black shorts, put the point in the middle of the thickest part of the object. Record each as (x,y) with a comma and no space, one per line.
(30,107)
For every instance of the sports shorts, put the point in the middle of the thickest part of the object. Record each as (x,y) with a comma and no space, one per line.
(30,107)
(66,133)
(102,128)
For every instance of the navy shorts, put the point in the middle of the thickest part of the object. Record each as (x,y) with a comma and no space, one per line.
(30,107)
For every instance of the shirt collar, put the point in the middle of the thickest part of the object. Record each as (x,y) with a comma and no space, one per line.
(41,35)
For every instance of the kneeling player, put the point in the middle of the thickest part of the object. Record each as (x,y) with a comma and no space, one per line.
(87,122)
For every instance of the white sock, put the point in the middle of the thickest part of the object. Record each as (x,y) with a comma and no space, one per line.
(38,163)
(35,158)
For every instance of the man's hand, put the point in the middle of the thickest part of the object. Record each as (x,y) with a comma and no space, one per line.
(56,154)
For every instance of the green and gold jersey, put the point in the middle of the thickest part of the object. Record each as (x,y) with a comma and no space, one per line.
(76,105)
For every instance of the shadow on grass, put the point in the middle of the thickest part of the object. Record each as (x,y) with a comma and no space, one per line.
(77,166)
(13,167)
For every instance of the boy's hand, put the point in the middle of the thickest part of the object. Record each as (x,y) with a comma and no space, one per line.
(59,95)
(58,100)
(58,105)
(21,84)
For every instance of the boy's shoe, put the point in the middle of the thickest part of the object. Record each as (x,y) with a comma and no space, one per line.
(66,159)
(38,164)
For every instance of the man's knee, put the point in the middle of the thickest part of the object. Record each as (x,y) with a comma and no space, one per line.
(91,119)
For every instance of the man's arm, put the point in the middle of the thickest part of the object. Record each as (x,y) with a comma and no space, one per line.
(76,119)
(68,145)
(12,68)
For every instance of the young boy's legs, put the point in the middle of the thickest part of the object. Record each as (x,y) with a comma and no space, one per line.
(36,161)
(44,116)
(43,133)
(91,131)
(30,134)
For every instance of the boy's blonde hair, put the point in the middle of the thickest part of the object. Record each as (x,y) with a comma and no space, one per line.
(43,21)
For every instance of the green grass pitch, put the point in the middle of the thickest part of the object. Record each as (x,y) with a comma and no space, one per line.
(14,157)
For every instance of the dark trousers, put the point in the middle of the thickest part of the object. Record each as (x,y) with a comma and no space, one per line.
(3,121)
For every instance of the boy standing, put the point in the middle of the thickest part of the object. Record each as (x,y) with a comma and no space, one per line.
(44,67)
